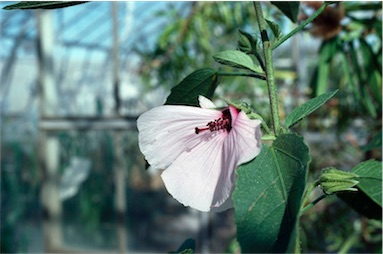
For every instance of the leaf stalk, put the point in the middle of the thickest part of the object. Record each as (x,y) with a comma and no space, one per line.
(309,206)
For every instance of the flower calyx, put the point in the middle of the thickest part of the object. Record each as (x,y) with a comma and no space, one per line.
(333,180)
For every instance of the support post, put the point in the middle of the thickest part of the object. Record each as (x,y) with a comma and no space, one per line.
(120,194)
(49,147)
(50,198)
(119,166)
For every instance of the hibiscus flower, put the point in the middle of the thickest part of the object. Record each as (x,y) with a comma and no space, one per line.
(199,148)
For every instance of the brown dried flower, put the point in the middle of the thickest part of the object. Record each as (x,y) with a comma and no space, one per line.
(328,24)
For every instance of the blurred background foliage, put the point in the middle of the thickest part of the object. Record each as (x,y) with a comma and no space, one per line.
(344,132)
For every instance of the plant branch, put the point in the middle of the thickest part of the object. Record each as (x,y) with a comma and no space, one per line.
(303,24)
(267,51)
(266,128)
(309,206)
(307,193)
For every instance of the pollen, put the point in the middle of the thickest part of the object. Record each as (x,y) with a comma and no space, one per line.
(222,123)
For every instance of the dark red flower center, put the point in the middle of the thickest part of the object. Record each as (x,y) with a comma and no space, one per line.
(222,123)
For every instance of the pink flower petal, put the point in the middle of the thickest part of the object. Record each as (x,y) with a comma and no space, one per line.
(192,178)
(204,177)
(244,141)
(167,131)
(242,144)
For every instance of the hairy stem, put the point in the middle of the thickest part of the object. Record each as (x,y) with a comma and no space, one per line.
(267,51)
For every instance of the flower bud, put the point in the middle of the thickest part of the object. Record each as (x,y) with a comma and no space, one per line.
(333,180)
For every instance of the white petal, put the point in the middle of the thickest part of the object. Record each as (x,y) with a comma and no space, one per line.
(192,178)
(242,144)
(167,131)
(244,140)
(226,205)
(205,102)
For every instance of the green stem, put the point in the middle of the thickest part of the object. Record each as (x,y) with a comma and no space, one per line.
(267,51)
(243,74)
(266,128)
(351,241)
(309,206)
(303,24)
(297,248)
(307,192)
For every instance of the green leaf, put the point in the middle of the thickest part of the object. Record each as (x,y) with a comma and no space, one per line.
(349,76)
(25,5)
(362,204)
(275,29)
(200,82)
(255,43)
(359,6)
(187,247)
(375,84)
(376,142)
(290,9)
(304,110)
(368,200)
(373,72)
(245,42)
(328,50)
(268,195)
(238,59)
(250,45)
(322,78)
(368,103)
(370,179)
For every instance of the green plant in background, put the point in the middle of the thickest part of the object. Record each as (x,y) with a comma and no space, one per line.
(189,38)
(272,193)
(351,60)
(19,180)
